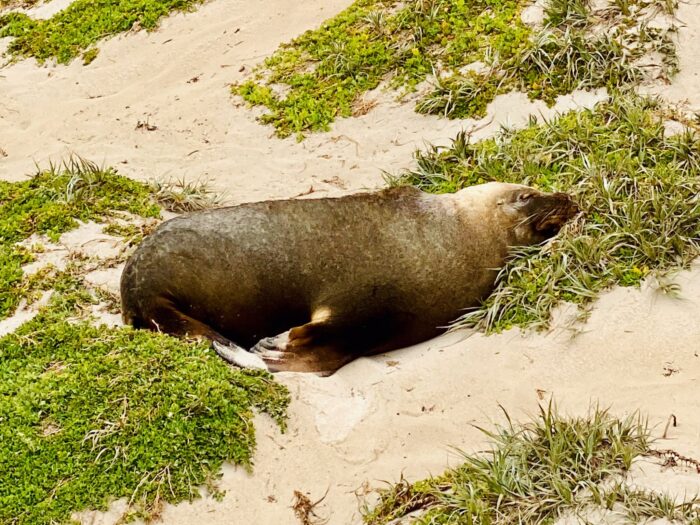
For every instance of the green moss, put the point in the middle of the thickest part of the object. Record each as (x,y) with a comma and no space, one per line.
(636,186)
(317,77)
(72,31)
(90,414)
(51,203)
(90,55)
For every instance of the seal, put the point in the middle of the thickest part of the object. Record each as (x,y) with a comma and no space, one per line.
(338,278)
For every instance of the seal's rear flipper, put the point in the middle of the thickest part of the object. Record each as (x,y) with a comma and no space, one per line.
(314,347)
(326,345)
(238,356)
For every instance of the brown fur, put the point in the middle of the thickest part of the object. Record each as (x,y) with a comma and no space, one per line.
(351,276)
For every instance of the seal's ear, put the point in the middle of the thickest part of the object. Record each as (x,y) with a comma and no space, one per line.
(518,198)
(524,197)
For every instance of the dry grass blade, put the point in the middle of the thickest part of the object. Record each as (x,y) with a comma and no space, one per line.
(182,196)
(672,458)
(304,509)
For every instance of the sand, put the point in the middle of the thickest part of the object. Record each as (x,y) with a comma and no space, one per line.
(382,417)
(46,113)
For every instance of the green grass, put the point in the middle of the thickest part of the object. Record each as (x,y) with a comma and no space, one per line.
(535,473)
(638,190)
(76,29)
(322,74)
(89,414)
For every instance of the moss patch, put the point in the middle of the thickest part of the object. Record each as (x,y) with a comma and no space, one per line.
(90,414)
(322,74)
(74,30)
(638,189)
(50,203)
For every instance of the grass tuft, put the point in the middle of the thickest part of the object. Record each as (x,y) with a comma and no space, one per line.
(637,187)
(181,196)
(537,472)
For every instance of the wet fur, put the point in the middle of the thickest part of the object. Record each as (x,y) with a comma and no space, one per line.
(351,276)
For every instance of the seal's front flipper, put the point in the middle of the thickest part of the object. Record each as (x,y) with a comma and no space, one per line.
(238,356)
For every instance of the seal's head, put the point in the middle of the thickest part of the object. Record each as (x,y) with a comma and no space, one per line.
(534,216)
(528,215)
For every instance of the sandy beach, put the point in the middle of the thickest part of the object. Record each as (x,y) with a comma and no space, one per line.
(378,418)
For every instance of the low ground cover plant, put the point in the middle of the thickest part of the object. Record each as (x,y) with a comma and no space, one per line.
(470,52)
(77,29)
(89,414)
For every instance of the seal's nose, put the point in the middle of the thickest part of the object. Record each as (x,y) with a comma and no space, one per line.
(565,200)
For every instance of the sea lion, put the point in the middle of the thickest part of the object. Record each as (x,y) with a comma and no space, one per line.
(338,277)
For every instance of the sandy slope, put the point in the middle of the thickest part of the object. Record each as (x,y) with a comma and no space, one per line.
(46,113)
(380,417)
(686,85)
